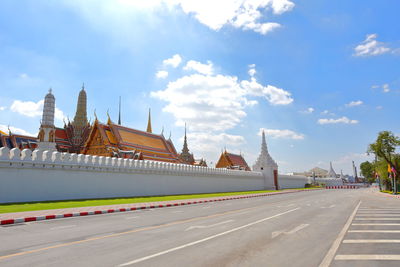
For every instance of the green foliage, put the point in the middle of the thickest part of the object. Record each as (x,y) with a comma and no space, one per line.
(385,147)
(367,170)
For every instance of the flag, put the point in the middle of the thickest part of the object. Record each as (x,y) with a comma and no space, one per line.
(389,169)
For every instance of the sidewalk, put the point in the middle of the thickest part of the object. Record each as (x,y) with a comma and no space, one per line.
(28,216)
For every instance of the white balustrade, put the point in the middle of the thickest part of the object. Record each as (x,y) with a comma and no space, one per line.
(4,153)
(56,157)
(15,154)
(26,155)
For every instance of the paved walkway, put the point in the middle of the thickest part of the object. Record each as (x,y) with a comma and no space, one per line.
(80,211)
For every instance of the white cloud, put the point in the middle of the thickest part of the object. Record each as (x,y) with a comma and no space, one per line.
(174,61)
(24,76)
(354,103)
(284,134)
(32,109)
(206,141)
(206,69)
(308,111)
(379,107)
(252,70)
(386,88)
(162,74)
(2,108)
(371,47)
(215,102)
(274,95)
(344,120)
(15,130)
(242,14)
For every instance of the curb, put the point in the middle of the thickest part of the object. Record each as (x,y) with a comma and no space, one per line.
(343,187)
(389,195)
(98,212)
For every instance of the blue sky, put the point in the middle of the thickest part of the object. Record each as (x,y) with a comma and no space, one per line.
(321,77)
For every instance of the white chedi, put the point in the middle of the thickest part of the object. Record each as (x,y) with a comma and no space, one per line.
(47,130)
(264,160)
(332,173)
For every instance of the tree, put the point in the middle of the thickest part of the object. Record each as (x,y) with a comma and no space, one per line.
(367,170)
(385,147)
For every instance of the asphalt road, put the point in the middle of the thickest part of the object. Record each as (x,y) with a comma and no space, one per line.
(315,228)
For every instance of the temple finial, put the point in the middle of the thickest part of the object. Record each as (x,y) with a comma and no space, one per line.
(119,113)
(170,133)
(149,130)
(50,90)
(83,86)
(109,119)
(162,131)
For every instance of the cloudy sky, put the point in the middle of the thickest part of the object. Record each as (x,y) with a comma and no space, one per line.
(320,77)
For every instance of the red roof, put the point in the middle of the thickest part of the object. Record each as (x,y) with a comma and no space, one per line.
(237,160)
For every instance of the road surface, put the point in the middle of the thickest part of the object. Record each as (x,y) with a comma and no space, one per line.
(316,228)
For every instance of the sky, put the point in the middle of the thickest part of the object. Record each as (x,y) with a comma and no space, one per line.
(320,77)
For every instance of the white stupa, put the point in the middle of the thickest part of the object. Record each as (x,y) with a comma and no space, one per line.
(331,173)
(264,160)
(47,130)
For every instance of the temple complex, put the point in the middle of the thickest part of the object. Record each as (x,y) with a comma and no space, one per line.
(232,161)
(115,140)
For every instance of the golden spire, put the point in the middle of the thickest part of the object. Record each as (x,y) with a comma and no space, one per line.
(149,124)
(109,122)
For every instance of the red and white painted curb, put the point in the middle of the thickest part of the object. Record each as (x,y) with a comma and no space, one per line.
(343,187)
(87,213)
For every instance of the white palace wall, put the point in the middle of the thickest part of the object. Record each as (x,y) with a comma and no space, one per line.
(46,175)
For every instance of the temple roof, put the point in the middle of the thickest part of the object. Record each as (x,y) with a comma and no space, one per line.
(232,160)
(152,146)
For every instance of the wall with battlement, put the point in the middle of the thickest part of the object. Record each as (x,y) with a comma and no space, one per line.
(45,175)
(48,175)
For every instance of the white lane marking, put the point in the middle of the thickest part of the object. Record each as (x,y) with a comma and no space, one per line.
(373,215)
(377,219)
(308,204)
(207,226)
(368,257)
(130,218)
(332,251)
(294,230)
(207,207)
(383,209)
(374,231)
(360,241)
(62,227)
(332,206)
(377,224)
(177,211)
(205,239)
